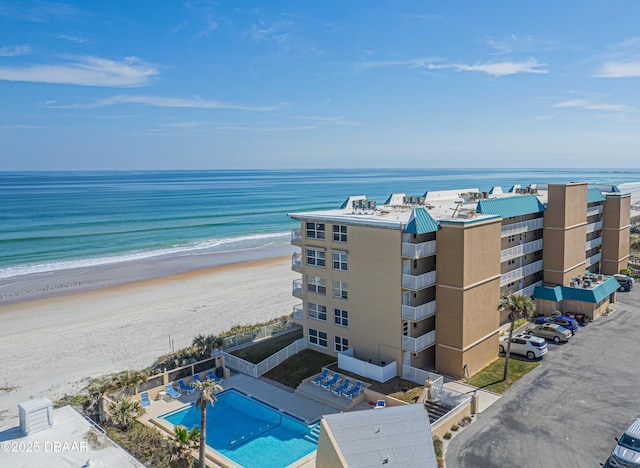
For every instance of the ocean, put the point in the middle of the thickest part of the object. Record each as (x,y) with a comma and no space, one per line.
(51,221)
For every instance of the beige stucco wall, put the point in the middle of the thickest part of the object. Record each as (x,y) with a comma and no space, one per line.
(615,233)
(327,455)
(468,291)
(565,232)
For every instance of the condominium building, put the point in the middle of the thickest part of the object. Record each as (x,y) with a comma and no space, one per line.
(416,281)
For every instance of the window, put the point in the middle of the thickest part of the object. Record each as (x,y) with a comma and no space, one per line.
(405,328)
(341,317)
(512,261)
(340,261)
(339,233)
(512,239)
(341,344)
(318,338)
(340,290)
(317,311)
(315,230)
(316,285)
(316,257)
(510,285)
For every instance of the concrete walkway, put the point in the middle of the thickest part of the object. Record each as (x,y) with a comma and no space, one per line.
(485,398)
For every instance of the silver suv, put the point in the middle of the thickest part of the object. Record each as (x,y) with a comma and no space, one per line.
(530,346)
(627,453)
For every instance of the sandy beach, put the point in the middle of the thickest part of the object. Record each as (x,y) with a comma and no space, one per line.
(51,346)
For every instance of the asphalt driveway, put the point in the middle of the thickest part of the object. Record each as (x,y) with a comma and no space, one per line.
(567,411)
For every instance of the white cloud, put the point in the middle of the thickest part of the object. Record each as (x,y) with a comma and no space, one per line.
(159,101)
(85,71)
(619,70)
(70,38)
(496,68)
(14,51)
(331,121)
(588,105)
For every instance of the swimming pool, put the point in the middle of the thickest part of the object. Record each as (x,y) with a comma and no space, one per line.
(250,432)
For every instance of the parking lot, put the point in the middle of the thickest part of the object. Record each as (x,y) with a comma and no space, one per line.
(567,411)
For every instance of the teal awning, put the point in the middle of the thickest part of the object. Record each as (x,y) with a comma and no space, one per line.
(506,207)
(548,294)
(421,222)
(594,196)
(595,295)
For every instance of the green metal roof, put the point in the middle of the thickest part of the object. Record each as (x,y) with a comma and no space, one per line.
(595,295)
(421,222)
(594,195)
(507,207)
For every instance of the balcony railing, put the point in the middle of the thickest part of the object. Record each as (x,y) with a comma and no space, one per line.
(528,291)
(296,261)
(297,288)
(520,250)
(421,250)
(296,236)
(594,227)
(416,283)
(594,210)
(592,244)
(519,273)
(594,259)
(420,312)
(297,311)
(418,344)
(517,228)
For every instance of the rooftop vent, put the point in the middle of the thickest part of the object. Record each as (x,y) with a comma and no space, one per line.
(35,415)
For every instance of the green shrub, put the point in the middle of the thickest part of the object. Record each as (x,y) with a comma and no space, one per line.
(454,428)
(437,445)
(626,271)
(447,435)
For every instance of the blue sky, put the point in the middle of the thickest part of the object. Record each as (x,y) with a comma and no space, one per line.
(206,85)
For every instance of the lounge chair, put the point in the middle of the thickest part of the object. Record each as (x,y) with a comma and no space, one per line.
(380,404)
(353,391)
(171,391)
(212,376)
(144,399)
(321,378)
(196,379)
(331,382)
(338,390)
(186,388)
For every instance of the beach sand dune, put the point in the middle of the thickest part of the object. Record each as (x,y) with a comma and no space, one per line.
(51,346)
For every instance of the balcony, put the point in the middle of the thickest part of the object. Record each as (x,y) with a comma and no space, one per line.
(520,250)
(517,228)
(296,261)
(297,311)
(421,250)
(593,259)
(515,275)
(415,283)
(528,291)
(416,345)
(296,236)
(297,288)
(420,312)
(594,210)
(592,244)
(594,227)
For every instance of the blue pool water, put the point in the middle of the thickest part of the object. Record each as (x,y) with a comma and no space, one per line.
(249,432)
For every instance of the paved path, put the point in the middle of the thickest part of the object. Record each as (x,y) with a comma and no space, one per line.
(567,411)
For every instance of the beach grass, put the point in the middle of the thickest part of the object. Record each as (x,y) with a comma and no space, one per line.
(490,378)
(261,350)
(299,366)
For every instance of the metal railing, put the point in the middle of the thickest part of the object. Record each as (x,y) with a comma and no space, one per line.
(520,250)
(528,291)
(594,210)
(255,334)
(296,236)
(298,311)
(517,228)
(592,227)
(296,261)
(416,283)
(418,344)
(594,259)
(297,287)
(419,312)
(594,243)
(423,249)
(519,273)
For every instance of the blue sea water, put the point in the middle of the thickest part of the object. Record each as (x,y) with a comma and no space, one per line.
(56,220)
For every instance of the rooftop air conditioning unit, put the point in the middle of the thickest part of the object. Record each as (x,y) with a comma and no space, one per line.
(35,415)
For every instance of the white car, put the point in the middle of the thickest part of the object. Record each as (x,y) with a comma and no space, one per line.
(627,452)
(530,346)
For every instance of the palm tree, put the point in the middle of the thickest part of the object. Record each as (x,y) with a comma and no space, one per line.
(185,441)
(129,380)
(200,343)
(124,412)
(519,307)
(207,396)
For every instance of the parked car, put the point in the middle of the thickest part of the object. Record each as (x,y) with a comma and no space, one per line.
(627,452)
(550,331)
(530,346)
(567,322)
(626,282)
